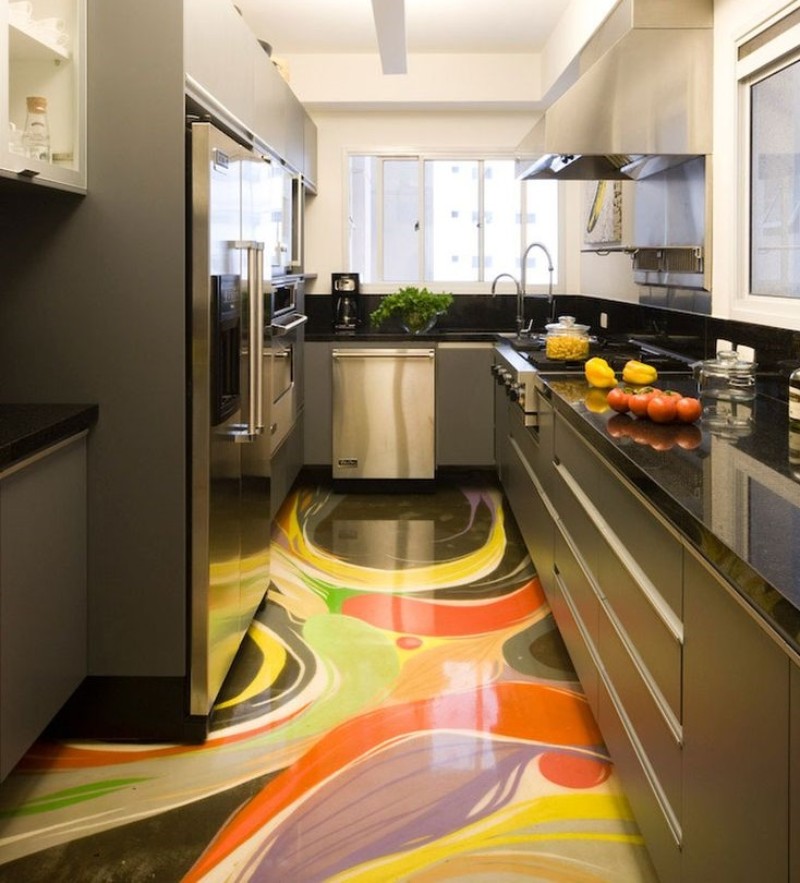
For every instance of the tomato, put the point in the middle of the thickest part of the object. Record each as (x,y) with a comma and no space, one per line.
(663,408)
(618,398)
(638,400)
(688,409)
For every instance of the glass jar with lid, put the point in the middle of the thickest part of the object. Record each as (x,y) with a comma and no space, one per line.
(566,340)
(728,377)
(727,390)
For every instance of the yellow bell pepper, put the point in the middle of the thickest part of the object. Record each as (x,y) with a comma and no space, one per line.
(639,374)
(599,373)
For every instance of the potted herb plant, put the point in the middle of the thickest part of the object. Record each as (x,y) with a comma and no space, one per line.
(416,308)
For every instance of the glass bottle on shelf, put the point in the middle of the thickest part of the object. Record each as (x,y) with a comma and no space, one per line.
(36,136)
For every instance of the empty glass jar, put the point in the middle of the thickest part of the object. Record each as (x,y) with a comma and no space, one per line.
(727,390)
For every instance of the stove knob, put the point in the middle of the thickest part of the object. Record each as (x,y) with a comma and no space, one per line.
(514,392)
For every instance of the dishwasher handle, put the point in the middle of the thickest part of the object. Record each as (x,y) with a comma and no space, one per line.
(383,354)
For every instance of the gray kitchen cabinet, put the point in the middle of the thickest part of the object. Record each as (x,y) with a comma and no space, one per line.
(736,752)
(309,152)
(530,457)
(220,55)
(618,601)
(318,431)
(43,623)
(502,431)
(286,464)
(295,126)
(464,404)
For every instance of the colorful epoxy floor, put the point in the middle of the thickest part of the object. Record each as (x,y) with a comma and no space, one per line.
(403,709)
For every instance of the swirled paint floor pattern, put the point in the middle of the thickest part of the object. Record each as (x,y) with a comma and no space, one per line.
(403,709)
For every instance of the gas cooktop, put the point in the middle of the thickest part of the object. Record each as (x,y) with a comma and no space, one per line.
(616,353)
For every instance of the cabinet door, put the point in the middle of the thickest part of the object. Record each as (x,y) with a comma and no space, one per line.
(464,405)
(42,51)
(309,152)
(318,414)
(736,739)
(42,595)
(220,57)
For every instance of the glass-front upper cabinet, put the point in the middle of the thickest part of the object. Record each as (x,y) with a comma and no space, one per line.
(43,99)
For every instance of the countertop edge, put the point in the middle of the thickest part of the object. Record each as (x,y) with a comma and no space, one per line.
(757,592)
(28,429)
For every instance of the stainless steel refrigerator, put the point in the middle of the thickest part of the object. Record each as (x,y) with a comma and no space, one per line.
(229,509)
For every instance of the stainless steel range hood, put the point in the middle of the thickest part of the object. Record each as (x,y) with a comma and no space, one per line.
(642,100)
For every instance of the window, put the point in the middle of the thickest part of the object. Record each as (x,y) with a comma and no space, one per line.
(417,219)
(769,82)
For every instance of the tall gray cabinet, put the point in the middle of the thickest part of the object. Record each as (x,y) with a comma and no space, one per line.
(93,309)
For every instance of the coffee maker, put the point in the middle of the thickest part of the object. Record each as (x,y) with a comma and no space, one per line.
(346,306)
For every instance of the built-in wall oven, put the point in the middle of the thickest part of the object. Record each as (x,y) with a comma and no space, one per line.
(282,354)
(283,339)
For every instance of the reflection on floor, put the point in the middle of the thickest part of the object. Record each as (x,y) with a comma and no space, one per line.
(403,709)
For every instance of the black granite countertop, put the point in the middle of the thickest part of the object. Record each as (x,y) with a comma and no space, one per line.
(732,494)
(26,429)
(367,335)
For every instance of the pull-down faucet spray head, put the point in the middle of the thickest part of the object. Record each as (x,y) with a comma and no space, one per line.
(519,292)
(524,273)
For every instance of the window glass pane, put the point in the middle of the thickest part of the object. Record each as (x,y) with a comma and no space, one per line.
(502,217)
(541,225)
(400,220)
(775,185)
(362,217)
(476,217)
(451,220)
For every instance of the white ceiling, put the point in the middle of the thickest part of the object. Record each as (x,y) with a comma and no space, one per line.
(432,26)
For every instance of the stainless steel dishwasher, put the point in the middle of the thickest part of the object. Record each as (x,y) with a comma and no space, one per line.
(384,413)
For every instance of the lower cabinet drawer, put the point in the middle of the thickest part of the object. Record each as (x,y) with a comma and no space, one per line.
(661,838)
(530,511)
(575,607)
(658,638)
(657,736)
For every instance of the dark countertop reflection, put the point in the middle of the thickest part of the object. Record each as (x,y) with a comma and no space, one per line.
(732,494)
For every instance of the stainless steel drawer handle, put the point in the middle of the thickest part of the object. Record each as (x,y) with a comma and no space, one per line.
(280,329)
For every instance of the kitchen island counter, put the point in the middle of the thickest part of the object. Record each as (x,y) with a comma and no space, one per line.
(27,429)
(732,496)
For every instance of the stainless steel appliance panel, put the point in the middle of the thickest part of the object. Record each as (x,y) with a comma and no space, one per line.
(384,413)
(229,515)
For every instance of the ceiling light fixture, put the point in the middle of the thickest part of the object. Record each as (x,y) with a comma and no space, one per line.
(390,28)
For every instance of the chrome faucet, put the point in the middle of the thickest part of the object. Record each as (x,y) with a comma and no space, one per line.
(520,296)
(523,275)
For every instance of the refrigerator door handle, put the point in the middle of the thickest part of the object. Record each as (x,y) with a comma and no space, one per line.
(254,425)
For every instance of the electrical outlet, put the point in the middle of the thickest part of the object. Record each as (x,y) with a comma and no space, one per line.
(604,320)
(746,353)
(723,346)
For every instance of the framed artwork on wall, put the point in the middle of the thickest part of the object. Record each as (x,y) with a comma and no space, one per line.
(602,214)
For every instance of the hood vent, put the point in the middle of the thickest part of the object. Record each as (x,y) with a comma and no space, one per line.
(642,100)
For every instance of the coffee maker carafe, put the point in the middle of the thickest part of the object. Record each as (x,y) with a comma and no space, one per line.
(345,293)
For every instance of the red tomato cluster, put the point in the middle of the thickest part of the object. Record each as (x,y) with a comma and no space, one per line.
(660,406)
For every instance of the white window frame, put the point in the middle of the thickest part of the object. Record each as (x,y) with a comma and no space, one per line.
(775,54)
(457,287)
